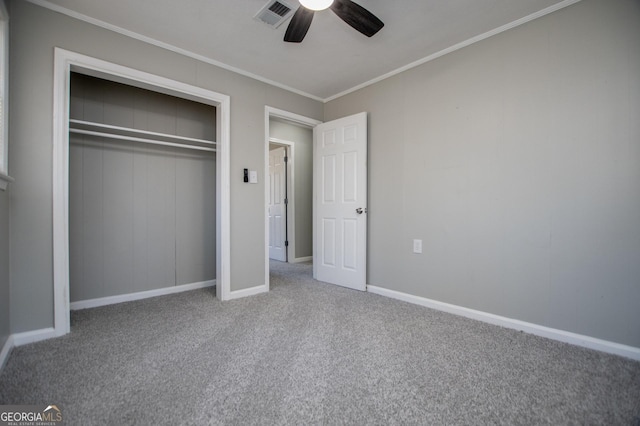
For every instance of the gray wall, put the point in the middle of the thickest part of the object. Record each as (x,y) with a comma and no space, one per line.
(141,217)
(302,138)
(34,33)
(517,162)
(5,307)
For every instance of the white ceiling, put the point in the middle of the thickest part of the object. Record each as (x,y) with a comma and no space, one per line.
(333,58)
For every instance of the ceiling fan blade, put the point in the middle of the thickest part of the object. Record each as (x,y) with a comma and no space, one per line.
(299,25)
(357,16)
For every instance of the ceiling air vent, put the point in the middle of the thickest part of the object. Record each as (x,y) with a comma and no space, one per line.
(274,13)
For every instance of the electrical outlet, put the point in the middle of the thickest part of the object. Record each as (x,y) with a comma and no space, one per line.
(417,246)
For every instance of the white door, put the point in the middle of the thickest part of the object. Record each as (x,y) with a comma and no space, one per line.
(277,207)
(340,201)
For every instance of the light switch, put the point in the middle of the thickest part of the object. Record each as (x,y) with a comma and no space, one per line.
(253,176)
(417,246)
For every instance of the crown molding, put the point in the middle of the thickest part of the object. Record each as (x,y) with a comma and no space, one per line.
(458,46)
(48,5)
(79,16)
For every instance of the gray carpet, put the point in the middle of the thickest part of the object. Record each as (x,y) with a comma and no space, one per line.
(312,353)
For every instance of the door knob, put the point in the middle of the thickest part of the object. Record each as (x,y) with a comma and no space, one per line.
(360,210)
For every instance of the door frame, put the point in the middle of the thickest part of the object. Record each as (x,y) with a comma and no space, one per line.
(66,61)
(271,112)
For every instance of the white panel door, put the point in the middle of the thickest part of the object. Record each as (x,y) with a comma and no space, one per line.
(340,201)
(277,208)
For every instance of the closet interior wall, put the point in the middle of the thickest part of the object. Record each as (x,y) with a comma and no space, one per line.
(141,216)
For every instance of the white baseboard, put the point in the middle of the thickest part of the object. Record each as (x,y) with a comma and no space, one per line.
(538,330)
(6,351)
(27,337)
(301,259)
(248,292)
(102,301)
(19,339)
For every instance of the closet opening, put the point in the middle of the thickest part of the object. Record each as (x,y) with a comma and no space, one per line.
(142,201)
(141,186)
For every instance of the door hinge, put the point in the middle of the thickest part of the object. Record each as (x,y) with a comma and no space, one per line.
(286,201)
(286,243)
(286,159)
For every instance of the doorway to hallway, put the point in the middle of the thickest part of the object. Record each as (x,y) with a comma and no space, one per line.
(289,187)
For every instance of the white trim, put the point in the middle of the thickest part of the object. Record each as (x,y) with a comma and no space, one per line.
(64,62)
(302,259)
(5,181)
(34,336)
(121,298)
(291,116)
(458,46)
(4,94)
(223,198)
(538,330)
(267,281)
(60,189)
(281,141)
(295,118)
(6,351)
(252,291)
(73,14)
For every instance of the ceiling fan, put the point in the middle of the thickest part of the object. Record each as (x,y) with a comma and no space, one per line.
(351,13)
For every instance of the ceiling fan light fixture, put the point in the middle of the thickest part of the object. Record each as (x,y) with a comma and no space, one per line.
(350,12)
(316,4)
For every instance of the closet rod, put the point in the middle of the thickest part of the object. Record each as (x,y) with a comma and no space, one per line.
(137,133)
(136,139)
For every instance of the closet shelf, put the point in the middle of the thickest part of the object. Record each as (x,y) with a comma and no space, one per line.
(128,134)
